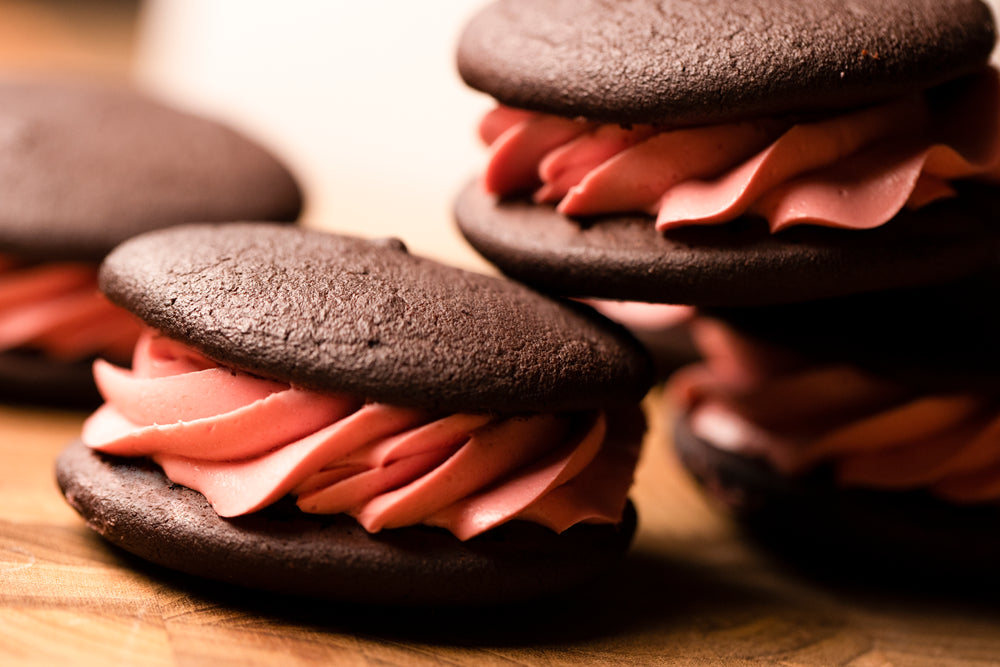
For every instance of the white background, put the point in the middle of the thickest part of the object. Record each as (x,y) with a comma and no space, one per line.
(361,98)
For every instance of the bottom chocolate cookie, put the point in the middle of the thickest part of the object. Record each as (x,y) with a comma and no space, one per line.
(738,264)
(30,378)
(131,504)
(861,534)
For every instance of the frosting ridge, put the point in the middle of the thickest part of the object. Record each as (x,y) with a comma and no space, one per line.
(56,308)
(756,400)
(853,171)
(245,442)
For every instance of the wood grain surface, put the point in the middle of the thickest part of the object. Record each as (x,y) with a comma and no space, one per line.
(689,593)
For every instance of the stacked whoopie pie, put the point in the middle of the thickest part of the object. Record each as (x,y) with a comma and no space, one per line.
(820,180)
(83,166)
(327,416)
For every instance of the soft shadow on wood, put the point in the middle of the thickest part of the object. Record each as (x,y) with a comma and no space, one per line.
(706,598)
(644,594)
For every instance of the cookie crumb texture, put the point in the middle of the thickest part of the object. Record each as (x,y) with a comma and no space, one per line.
(739,264)
(346,315)
(699,62)
(84,166)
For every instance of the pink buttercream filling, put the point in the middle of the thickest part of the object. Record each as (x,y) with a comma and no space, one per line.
(56,309)
(642,316)
(853,171)
(245,442)
(756,400)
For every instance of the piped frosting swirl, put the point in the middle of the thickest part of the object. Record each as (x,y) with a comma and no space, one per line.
(853,171)
(56,309)
(244,442)
(757,400)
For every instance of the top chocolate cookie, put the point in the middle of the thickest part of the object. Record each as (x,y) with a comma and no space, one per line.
(684,62)
(367,318)
(84,166)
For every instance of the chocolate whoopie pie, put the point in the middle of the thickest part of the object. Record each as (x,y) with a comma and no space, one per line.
(734,153)
(862,432)
(83,166)
(327,416)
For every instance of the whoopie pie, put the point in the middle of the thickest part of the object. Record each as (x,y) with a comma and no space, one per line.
(734,152)
(322,415)
(854,433)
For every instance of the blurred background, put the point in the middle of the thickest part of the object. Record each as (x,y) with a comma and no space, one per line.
(360,99)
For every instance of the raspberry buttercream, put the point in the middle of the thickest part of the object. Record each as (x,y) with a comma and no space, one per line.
(856,170)
(244,442)
(757,400)
(56,309)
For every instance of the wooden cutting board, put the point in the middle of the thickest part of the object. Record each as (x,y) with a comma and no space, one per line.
(690,593)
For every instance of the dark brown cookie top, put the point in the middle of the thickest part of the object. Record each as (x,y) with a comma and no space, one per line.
(936,338)
(84,166)
(703,61)
(28,377)
(132,505)
(349,315)
(737,264)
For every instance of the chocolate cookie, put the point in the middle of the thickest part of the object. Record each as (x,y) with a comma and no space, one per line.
(935,337)
(84,166)
(357,423)
(868,535)
(28,378)
(342,314)
(738,264)
(690,62)
(281,549)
